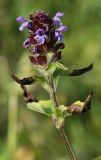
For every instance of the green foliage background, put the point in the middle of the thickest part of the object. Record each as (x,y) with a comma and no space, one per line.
(25,135)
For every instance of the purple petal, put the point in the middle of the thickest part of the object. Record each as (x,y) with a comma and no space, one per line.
(26,43)
(40,32)
(21,19)
(40,36)
(59,36)
(59,14)
(25,24)
(40,39)
(62,28)
(29,26)
(57,21)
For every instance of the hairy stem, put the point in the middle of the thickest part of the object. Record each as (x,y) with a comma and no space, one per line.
(62,131)
(52,91)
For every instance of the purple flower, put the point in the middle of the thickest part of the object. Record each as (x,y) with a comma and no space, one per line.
(58,33)
(58,23)
(59,14)
(40,36)
(45,35)
(62,29)
(21,19)
(24,22)
(59,36)
(56,19)
(26,43)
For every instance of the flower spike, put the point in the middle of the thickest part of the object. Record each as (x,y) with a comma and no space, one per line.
(45,34)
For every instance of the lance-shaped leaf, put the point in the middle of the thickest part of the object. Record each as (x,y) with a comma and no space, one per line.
(74,72)
(78,72)
(24,81)
(44,107)
(80,107)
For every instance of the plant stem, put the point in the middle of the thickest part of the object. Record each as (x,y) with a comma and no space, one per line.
(62,131)
(68,144)
(52,91)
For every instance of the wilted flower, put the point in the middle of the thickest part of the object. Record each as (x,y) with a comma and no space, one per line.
(45,35)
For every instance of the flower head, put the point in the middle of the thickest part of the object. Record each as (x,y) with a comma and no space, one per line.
(45,34)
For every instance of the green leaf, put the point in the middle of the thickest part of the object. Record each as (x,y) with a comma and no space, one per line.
(69,72)
(56,69)
(44,107)
(61,66)
(60,72)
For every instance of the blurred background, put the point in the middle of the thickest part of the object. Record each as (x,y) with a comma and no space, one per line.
(25,135)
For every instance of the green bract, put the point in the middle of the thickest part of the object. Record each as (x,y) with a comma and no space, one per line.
(44,107)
